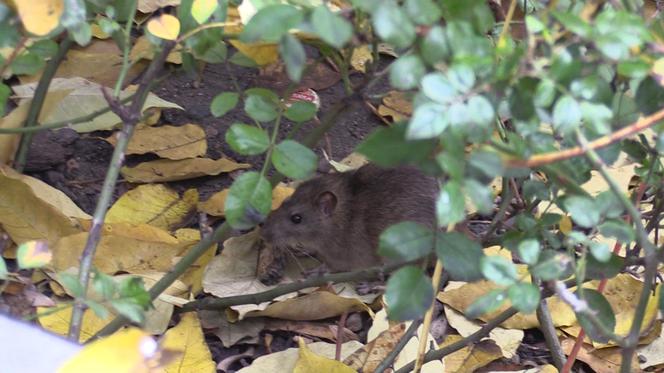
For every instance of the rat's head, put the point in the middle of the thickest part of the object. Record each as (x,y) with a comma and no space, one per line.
(305,219)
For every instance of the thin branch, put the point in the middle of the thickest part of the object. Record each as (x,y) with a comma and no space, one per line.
(506,23)
(38,101)
(392,356)
(549,331)
(552,157)
(130,117)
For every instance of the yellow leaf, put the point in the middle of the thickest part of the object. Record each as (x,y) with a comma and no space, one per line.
(153,204)
(310,362)
(360,57)
(565,224)
(261,53)
(168,170)
(215,204)
(127,351)
(201,10)
(32,210)
(315,306)
(658,71)
(40,17)
(98,33)
(172,142)
(188,337)
(143,49)
(58,322)
(165,27)
(470,358)
(33,254)
(193,276)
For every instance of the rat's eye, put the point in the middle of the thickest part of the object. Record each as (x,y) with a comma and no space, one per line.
(296,218)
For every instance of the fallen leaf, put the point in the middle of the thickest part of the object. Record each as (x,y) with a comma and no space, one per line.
(606,360)
(311,362)
(507,340)
(313,329)
(40,17)
(143,49)
(33,210)
(153,204)
(85,97)
(315,306)
(470,358)
(215,204)
(231,333)
(169,170)
(653,353)
(397,105)
(352,162)
(360,57)
(261,53)
(193,276)
(188,337)
(58,321)
(15,119)
(171,142)
(285,361)
(33,254)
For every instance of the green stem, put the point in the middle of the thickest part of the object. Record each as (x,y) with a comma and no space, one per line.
(130,118)
(125,53)
(38,101)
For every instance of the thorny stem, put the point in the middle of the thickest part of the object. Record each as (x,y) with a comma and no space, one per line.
(130,117)
(205,27)
(38,101)
(549,331)
(125,55)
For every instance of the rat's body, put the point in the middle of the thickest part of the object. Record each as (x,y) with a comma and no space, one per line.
(339,217)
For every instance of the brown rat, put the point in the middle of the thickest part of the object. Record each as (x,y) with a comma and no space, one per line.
(339,217)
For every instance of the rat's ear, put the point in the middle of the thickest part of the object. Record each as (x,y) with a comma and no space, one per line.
(326,202)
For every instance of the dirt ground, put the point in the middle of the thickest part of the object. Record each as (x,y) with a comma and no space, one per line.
(76,164)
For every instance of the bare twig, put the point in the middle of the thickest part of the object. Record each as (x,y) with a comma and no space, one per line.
(389,359)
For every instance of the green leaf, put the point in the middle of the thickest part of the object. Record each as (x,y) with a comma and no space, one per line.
(481,111)
(649,96)
(331,28)
(4,95)
(104,285)
(583,210)
(406,72)
(598,116)
(44,48)
(618,229)
(533,189)
(294,159)
(248,201)
(33,254)
(428,121)
(437,87)
(223,103)
(545,93)
(551,268)
(3,269)
(422,12)
(204,9)
(71,284)
(260,107)
(81,33)
(387,146)
(479,194)
(460,256)
(246,139)
(486,165)
(597,270)
(271,23)
(600,251)
(294,57)
(405,241)
(27,64)
(392,25)
(524,296)
(450,205)
(529,250)
(301,111)
(129,309)
(241,59)
(566,114)
(609,205)
(499,270)
(603,313)
(461,77)
(99,309)
(210,50)
(488,302)
(635,68)
(573,23)
(133,289)
(408,294)
(434,47)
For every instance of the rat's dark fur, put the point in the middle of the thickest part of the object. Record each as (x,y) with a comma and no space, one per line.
(342,215)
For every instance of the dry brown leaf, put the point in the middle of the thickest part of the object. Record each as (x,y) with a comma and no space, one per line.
(373,353)
(315,306)
(652,354)
(396,105)
(153,204)
(606,360)
(313,329)
(284,361)
(149,6)
(470,358)
(168,170)
(171,142)
(143,49)
(193,276)
(361,57)
(32,210)
(311,362)
(58,322)
(231,333)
